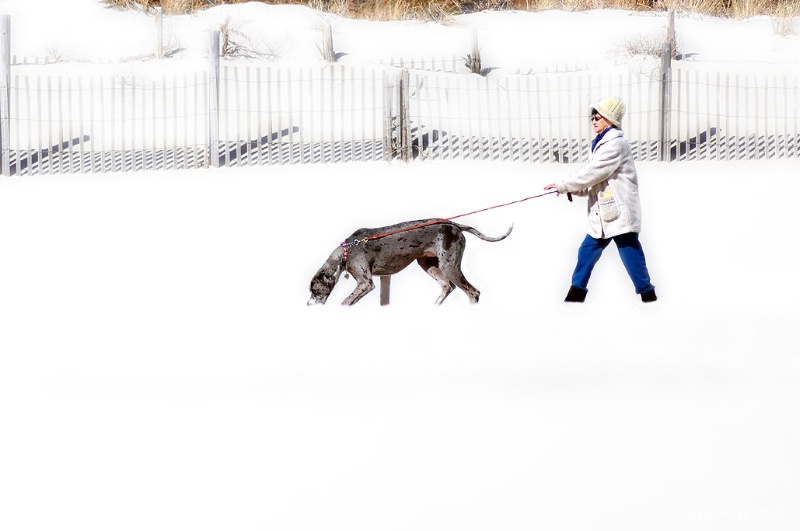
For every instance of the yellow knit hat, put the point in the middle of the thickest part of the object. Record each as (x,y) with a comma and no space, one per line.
(612,109)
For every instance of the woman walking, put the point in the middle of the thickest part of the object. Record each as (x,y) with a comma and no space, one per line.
(610,183)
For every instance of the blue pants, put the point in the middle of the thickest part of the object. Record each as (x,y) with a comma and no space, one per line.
(630,251)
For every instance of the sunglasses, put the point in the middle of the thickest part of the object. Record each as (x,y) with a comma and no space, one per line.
(596,117)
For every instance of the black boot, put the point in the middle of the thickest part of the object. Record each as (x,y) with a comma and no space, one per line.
(649,296)
(575,294)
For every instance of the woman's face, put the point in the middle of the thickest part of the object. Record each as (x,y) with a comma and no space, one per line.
(599,123)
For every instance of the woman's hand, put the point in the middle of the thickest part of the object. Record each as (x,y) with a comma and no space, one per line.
(552,186)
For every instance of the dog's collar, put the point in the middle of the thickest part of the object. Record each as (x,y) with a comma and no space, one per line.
(347,245)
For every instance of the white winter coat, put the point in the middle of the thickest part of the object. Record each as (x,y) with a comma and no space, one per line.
(612,186)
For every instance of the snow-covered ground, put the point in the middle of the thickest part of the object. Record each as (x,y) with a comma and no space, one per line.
(159,368)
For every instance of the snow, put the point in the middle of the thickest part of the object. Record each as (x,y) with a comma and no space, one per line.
(160,370)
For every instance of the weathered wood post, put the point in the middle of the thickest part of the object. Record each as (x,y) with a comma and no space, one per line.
(473,61)
(213,100)
(664,126)
(5,94)
(405,129)
(160,32)
(671,30)
(327,43)
(388,116)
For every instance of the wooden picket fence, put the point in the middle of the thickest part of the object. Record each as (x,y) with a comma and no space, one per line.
(262,114)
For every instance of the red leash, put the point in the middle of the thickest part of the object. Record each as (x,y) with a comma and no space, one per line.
(442,220)
(503,205)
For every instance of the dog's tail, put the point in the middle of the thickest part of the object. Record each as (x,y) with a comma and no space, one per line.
(482,236)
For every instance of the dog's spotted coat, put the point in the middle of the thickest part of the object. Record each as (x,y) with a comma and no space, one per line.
(437,246)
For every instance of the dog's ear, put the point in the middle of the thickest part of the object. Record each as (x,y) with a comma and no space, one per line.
(323,282)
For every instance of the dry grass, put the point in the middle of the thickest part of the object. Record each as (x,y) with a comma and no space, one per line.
(583,5)
(784,10)
(649,45)
(373,9)
(387,9)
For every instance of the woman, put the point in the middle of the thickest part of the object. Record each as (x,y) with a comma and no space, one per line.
(610,182)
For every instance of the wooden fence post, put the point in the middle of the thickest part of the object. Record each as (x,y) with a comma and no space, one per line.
(213,100)
(671,31)
(473,61)
(160,32)
(664,123)
(664,126)
(405,130)
(388,127)
(327,43)
(396,131)
(5,94)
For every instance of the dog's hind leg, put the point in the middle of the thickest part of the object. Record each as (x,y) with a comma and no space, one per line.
(457,277)
(451,269)
(449,258)
(431,266)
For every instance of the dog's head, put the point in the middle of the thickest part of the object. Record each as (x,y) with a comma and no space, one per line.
(325,279)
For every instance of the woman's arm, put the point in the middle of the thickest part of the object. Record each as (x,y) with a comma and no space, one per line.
(605,161)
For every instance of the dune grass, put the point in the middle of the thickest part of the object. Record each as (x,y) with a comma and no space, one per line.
(436,9)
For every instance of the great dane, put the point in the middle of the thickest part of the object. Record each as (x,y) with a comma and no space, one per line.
(437,246)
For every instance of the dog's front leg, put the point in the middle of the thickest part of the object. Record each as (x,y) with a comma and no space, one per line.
(364,285)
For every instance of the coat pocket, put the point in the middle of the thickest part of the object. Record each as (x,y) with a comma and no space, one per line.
(609,210)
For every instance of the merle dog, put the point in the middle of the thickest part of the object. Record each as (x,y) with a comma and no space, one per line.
(437,246)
